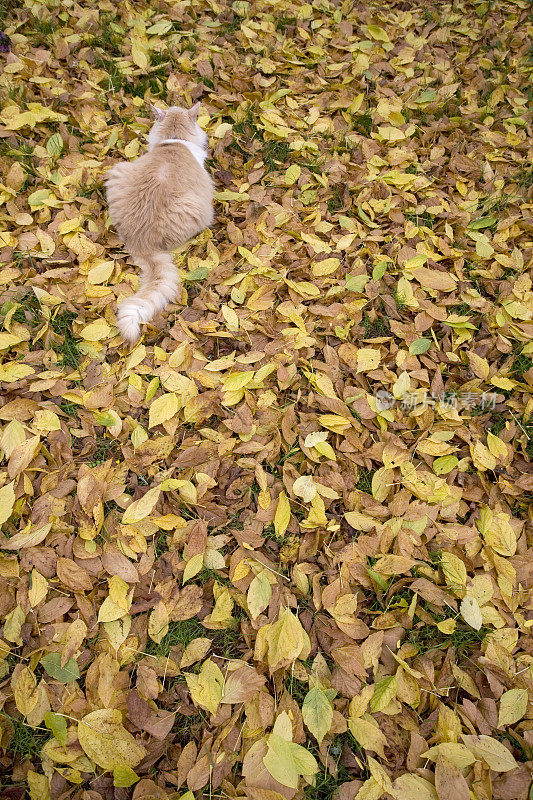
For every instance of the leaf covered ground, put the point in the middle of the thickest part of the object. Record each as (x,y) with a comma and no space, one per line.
(282,548)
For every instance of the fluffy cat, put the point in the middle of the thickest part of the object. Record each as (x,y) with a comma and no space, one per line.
(156,204)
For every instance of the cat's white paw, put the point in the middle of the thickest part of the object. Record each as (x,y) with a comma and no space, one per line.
(129,318)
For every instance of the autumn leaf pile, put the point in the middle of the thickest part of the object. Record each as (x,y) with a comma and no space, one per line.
(281,548)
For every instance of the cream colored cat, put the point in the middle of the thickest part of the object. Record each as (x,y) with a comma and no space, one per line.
(156,204)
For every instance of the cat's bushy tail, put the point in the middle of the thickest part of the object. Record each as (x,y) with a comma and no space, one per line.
(159,285)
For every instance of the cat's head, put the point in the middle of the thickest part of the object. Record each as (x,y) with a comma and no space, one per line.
(177,123)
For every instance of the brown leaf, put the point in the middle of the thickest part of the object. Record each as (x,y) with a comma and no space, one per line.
(449,781)
(73,576)
(157,723)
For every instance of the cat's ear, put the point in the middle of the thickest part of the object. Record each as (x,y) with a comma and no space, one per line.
(158,114)
(193,112)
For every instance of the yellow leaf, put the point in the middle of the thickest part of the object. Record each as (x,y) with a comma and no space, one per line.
(381,483)
(118,592)
(513,706)
(377,33)
(367,359)
(237,380)
(138,53)
(471,613)
(457,753)
(356,103)
(484,249)
(447,626)
(38,589)
(195,651)
(300,579)
(326,267)
(379,775)
(13,624)
(101,272)
(46,421)
(305,487)
(117,631)
(241,571)
(213,559)
(482,457)
(221,614)
(413,787)
(444,464)
(124,777)
(230,315)
(480,366)
(207,687)
(312,439)
(222,129)
(367,733)
(264,498)
(95,331)
(324,384)
(187,490)
(335,423)
(23,455)
(454,571)
(132,148)
(360,521)
(286,640)
(370,790)
(326,450)
(138,436)
(163,408)
(286,761)
(110,611)
(318,245)
(492,752)
(29,537)
(292,174)
(141,508)
(69,225)
(415,263)
(193,567)
(24,691)
(359,703)
(500,534)
(9,373)
(7,501)
(394,177)
(39,785)
(158,623)
(503,383)
(259,594)
(7,340)
(496,446)
(283,515)
(48,245)
(393,565)
(317,712)
(390,134)
(107,742)
(384,691)
(345,241)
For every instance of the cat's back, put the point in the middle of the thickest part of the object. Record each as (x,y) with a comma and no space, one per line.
(159,200)
(167,170)
(175,168)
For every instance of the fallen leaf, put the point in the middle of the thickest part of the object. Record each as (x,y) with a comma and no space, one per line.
(106,742)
